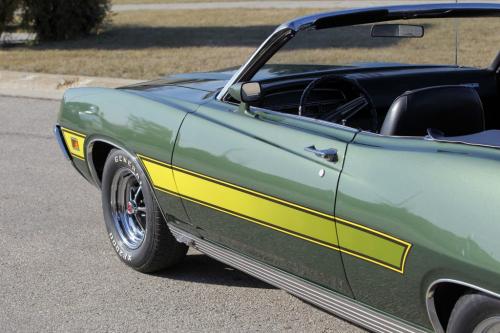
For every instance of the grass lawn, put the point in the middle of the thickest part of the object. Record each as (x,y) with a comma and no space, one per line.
(145,45)
(149,44)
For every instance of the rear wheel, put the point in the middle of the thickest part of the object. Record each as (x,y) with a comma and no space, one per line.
(475,313)
(135,225)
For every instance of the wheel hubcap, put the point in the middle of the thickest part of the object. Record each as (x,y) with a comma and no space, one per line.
(128,208)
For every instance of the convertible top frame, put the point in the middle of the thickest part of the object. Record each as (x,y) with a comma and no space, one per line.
(327,20)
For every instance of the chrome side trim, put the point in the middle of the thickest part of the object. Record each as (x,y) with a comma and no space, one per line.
(335,303)
(60,142)
(429,299)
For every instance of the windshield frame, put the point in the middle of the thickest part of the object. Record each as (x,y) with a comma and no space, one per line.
(285,32)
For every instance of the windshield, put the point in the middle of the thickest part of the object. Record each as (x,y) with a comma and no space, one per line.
(470,42)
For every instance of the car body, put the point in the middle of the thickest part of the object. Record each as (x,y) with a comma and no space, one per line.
(387,231)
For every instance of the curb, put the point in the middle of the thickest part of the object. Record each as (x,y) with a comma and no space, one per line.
(51,86)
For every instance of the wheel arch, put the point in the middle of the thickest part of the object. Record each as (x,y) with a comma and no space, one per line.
(442,296)
(97,150)
(97,153)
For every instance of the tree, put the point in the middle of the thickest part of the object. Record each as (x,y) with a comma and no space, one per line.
(64,19)
(7,10)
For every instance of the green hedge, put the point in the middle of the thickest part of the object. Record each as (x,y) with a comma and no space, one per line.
(64,19)
(7,9)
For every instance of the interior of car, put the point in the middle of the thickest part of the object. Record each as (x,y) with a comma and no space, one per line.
(441,101)
(429,77)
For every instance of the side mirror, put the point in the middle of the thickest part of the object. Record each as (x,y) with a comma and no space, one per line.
(246,93)
(251,92)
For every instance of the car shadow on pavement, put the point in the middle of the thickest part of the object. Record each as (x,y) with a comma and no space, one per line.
(200,268)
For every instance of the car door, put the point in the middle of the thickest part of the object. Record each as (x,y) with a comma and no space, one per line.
(249,184)
(419,199)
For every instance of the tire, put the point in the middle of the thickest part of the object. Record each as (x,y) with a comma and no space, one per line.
(475,313)
(135,225)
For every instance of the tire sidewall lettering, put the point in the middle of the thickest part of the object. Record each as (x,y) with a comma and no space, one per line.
(154,253)
(119,250)
(130,256)
(122,159)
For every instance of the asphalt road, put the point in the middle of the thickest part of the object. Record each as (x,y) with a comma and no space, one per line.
(58,271)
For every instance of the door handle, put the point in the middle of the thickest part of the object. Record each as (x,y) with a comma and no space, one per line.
(330,155)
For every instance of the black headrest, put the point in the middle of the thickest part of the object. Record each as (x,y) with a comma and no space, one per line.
(453,110)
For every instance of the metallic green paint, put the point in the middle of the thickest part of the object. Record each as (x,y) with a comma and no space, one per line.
(139,124)
(442,197)
(278,214)
(265,155)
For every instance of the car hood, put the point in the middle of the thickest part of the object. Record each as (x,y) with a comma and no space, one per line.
(213,81)
(205,81)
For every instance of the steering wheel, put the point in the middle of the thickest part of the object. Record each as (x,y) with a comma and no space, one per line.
(356,99)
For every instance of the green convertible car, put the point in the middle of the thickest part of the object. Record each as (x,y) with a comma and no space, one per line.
(353,160)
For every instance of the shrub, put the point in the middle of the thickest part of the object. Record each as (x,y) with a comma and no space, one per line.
(65,19)
(7,9)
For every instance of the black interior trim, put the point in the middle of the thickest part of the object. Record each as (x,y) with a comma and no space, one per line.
(454,110)
(385,84)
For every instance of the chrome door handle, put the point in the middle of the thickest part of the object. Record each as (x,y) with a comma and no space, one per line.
(328,154)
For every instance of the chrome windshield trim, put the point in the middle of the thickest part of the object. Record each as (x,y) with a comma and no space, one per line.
(272,43)
(287,30)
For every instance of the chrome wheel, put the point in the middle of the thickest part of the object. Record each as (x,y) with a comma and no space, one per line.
(128,208)
(490,325)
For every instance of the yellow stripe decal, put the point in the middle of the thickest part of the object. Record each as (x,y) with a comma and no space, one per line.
(75,143)
(287,217)
(161,174)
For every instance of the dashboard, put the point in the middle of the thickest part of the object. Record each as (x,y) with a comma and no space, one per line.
(383,85)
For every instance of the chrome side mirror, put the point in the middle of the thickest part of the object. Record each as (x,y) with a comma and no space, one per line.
(247,93)
(251,92)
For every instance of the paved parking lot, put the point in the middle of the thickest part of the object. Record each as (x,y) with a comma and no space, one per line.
(59,273)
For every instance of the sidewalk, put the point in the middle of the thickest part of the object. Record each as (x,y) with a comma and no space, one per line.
(51,86)
(276,4)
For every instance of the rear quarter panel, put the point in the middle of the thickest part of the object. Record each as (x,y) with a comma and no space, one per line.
(442,198)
